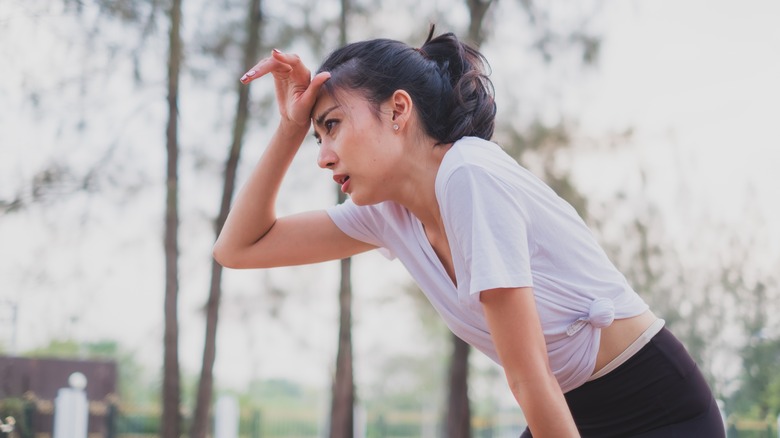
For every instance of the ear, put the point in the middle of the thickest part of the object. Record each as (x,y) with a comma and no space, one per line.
(401,107)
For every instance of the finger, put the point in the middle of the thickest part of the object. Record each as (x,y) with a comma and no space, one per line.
(310,95)
(299,71)
(287,58)
(318,80)
(263,67)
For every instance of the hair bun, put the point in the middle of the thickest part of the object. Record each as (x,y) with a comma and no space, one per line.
(466,70)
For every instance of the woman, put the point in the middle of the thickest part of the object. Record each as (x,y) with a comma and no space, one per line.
(508,265)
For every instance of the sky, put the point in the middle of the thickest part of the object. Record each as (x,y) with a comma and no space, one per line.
(699,80)
(695,81)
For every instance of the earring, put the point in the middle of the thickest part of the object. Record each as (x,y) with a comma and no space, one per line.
(395,126)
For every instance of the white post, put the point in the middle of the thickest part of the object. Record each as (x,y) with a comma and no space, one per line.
(226,417)
(428,416)
(359,421)
(71,409)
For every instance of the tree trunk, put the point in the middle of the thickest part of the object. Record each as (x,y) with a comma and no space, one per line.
(343,403)
(171,416)
(458,416)
(458,424)
(200,421)
(477,11)
(342,406)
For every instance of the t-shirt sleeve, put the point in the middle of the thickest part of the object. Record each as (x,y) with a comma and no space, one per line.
(360,223)
(487,225)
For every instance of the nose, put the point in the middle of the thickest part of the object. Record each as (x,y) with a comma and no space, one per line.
(327,158)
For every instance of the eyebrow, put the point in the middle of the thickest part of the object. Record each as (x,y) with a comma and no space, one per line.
(321,118)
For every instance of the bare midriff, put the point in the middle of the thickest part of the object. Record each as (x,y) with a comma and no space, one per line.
(616,338)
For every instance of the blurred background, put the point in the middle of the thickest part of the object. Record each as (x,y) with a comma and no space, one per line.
(124,132)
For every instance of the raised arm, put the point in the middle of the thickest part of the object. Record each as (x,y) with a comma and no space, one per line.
(517,334)
(253,237)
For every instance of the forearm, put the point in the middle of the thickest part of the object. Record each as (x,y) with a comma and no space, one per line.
(254,212)
(517,334)
(544,407)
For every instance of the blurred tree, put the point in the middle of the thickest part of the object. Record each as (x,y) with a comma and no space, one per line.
(342,419)
(52,182)
(200,422)
(706,305)
(59,178)
(171,391)
(538,139)
(285,32)
(642,249)
(90,28)
(412,381)
(756,301)
(458,416)
(759,392)
(458,413)
(543,143)
(651,263)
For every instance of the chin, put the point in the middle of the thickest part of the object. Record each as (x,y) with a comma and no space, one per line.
(362,201)
(357,200)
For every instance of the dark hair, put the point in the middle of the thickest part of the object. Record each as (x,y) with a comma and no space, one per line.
(446,79)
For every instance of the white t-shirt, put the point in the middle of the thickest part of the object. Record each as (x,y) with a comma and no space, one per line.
(506,229)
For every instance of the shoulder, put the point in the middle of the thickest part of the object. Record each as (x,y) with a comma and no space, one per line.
(472,150)
(378,220)
(375,214)
(471,160)
(384,225)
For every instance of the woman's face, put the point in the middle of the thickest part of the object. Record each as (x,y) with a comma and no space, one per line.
(358,144)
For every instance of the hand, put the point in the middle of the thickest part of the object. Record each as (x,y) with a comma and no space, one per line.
(296,91)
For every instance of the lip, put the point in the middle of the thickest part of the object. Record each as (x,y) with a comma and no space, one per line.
(343,180)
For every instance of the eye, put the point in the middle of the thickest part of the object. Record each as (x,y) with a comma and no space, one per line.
(329,125)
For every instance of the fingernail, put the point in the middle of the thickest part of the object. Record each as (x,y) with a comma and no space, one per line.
(277,51)
(250,73)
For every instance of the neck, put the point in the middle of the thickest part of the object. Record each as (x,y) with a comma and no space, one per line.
(418,193)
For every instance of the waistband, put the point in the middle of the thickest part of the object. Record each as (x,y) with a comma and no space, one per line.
(632,349)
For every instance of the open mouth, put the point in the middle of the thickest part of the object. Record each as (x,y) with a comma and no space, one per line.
(342,180)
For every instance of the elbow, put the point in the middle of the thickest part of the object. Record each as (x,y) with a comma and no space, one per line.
(224,256)
(234,257)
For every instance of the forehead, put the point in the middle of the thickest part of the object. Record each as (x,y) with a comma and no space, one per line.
(348,101)
(324,101)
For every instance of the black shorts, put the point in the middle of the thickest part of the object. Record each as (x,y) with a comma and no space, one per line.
(659,392)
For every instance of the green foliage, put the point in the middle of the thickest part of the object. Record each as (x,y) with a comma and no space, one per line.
(17,409)
(137,423)
(71,349)
(277,395)
(543,143)
(759,394)
(61,348)
(280,408)
(554,36)
(277,389)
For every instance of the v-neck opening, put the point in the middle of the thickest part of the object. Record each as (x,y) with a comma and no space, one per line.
(430,252)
